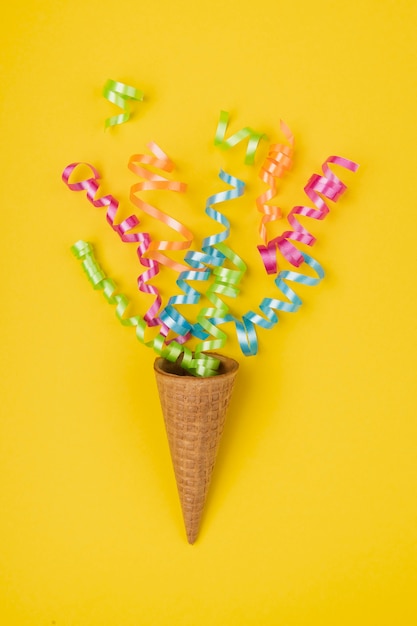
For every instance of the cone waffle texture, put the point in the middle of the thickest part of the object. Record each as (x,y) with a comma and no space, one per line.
(194,412)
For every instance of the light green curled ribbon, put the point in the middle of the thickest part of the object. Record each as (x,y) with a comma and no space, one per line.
(242,134)
(203,365)
(226,283)
(119,93)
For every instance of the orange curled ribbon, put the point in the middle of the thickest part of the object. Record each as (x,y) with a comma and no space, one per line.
(140,164)
(275,166)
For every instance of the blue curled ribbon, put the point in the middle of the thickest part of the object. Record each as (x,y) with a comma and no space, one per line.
(214,254)
(246,326)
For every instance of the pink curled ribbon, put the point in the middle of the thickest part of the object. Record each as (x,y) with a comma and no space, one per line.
(330,187)
(289,302)
(277,163)
(91,186)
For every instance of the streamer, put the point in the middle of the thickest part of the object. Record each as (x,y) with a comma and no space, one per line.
(140,164)
(329,186)
(226,284)
(226,280)
(245,133)
(245,326)
(119,94)
(210,260)
(91,186)
(204,365)
(276,165)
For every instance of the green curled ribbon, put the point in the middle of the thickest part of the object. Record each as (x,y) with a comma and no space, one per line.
(119,93)
(242,134)
(202,365)
(226,283)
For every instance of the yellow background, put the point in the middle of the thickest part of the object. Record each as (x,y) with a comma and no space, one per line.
(311,518)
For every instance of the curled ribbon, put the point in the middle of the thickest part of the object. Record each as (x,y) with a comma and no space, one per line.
(226,280)
(200,266)
(91,186)
(140,164)
(245,133)
(329,186)
(204,365)
(226,284)
(149,250)
(170,316)
(245,327)
(119,93)
(213,255)
(277,163)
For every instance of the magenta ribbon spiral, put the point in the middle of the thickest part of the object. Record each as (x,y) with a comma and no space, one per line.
(329,186)
(91,186)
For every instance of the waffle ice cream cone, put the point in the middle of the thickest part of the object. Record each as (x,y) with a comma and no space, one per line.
(194,412)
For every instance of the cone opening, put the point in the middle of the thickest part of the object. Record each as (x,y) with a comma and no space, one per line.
(227,366)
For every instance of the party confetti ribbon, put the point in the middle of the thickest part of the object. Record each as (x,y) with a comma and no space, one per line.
(213,256)
(245,326)
(140,164)
(91,186)
(148,251)
(119,94)
(329,186)
(245,133)
(226,284)
(204,365)
(277,163)
(226,280)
